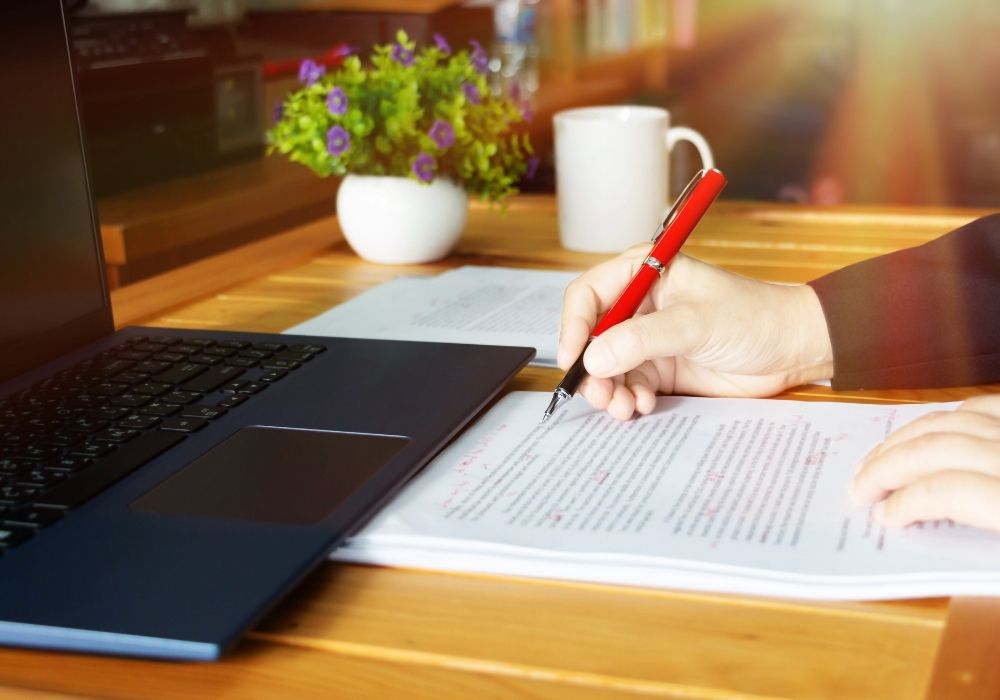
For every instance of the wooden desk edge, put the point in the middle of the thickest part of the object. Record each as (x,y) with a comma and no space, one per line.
(966,664)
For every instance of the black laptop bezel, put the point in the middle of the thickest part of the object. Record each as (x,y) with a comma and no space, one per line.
(29,353)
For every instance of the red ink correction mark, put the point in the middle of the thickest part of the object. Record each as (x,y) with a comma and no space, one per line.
(472,455)
(455,493)
(556,514)
(813,459)
(601,475)
(714,475)
(710,513)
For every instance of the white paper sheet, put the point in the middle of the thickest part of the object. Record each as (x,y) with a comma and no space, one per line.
(736,495)
(476,305)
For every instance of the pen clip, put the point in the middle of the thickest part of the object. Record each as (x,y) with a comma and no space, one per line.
(683,197)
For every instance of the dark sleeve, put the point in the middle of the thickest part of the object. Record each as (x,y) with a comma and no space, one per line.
(921,317)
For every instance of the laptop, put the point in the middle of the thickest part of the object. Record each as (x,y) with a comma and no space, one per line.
(160,489)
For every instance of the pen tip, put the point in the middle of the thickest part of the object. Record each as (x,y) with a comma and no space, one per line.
(553,404)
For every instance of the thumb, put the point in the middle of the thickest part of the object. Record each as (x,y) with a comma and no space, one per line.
(670,332)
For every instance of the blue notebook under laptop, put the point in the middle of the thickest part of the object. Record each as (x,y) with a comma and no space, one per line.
(160,489)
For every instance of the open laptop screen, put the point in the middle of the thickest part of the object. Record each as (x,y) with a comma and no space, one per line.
(52,294)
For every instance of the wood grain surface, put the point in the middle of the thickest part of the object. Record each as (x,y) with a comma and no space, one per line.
(370,632)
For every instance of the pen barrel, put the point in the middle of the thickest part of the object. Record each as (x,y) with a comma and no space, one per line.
(574,375)
(629,300)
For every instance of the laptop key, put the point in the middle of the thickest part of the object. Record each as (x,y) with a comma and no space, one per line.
(40,479)
(31,517)
(130,400)
(183,425)
(92,449)
(138,422)
(159,409)
(241,361)
(149,347)
(280,364)
(107,389)
(61,438)
(130,377)
(15,494)
(108,413)
(150,388)
(89,425)
(252,387)
(169,356)
(69,463)
(13,536)
(294,356)
(105,472)
(116,435)
(151,367)
(310,348)
(213,378)
(180,373)
(180,397)
(204,412)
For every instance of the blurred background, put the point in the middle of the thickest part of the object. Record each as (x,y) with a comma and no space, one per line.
(864,102)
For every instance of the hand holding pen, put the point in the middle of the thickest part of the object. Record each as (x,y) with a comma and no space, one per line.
(676,227)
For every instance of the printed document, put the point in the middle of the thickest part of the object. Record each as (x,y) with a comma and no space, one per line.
(471,304)
(730,495)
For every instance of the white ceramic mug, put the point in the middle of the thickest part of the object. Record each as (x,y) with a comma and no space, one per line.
(613,174)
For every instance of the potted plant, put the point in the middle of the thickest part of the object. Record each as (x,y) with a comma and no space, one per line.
(413,133)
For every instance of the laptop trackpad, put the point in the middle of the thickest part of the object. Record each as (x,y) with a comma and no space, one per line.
(276,475)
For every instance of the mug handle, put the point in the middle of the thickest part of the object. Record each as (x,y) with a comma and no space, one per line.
(684,133)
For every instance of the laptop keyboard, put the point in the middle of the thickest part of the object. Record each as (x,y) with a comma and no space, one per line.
(67,438)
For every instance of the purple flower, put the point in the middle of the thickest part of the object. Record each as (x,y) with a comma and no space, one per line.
(480,61)
(278,112)
(402,55)
(337,140)
(310,71)
(471,93)
(526,114)
(336,101)
(532,167)
(442,133)
(423,167)
(442,44)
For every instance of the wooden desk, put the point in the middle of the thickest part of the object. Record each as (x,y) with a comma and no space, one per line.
(367,632)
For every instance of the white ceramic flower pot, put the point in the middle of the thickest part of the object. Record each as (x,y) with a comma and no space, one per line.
(398,221)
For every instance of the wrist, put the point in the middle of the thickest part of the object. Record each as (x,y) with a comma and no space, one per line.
(813,355)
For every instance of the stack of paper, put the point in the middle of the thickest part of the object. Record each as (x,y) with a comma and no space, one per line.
(730,495)
(475,305)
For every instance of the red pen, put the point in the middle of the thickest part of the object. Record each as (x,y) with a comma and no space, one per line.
(680,221)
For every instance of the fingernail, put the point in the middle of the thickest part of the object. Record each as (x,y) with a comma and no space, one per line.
(600,361)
